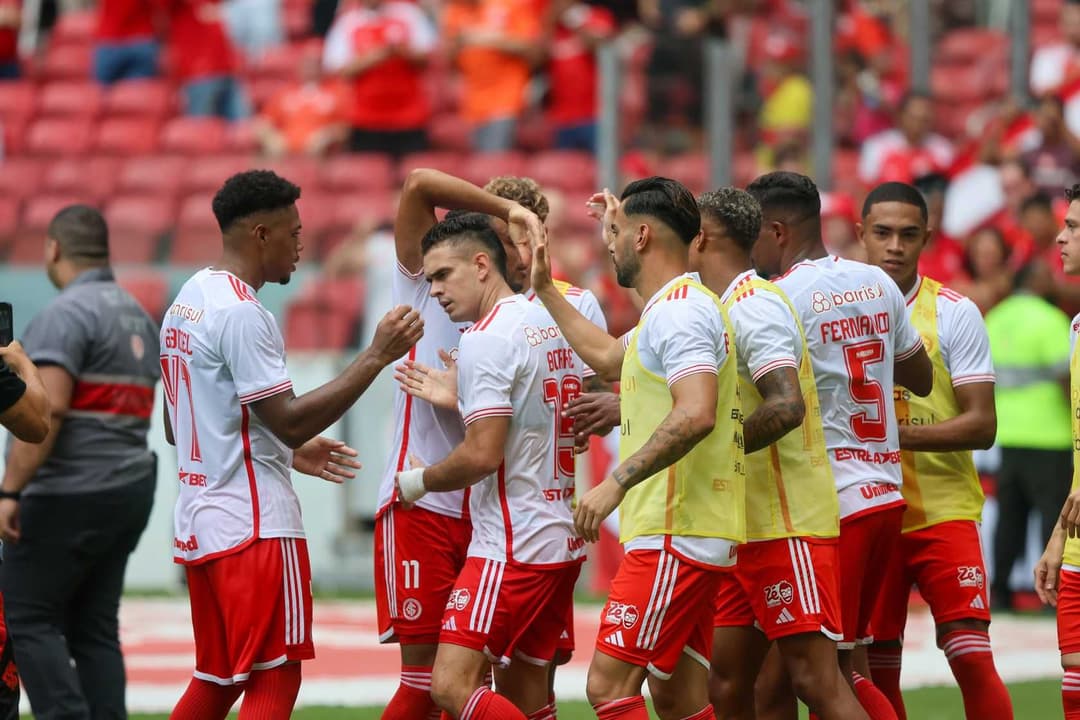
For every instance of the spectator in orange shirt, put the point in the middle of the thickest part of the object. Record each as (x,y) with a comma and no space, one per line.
(576,29)
(494,43)
(381,47)
(307,118)
(10,17)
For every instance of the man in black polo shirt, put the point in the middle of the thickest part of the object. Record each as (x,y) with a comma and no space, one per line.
(73,507)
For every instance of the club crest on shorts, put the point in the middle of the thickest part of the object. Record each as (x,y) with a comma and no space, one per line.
(623,613)
(411,609)
(459,599)
(970,576)
(779,594)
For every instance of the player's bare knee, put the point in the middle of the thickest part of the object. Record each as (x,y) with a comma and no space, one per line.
(451,688)
(732,697)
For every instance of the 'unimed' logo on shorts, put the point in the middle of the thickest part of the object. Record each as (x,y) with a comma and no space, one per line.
(624,613)
(459,599)
(970,576)
(779,594)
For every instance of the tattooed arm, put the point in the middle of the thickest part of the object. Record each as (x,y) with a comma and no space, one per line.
(781,411)
(692,418)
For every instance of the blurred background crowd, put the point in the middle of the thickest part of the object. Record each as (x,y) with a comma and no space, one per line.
(143,107)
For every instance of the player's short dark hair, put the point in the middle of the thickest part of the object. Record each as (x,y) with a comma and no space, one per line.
(251,192)
(82,234)
(465,227)
(1073,193)
(737,210)
(786,191)
(666,200)
(896,192)
(1038,201)
(910,96)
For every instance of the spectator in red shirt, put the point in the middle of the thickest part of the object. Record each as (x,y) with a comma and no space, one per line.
(381,48)
(204,61)
(126,47)
(910,150)
(10,17)
(308,117)
(575,30)
(1053,165)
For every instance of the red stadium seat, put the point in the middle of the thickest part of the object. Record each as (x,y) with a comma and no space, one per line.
(154,98)
(325,314)
(194,136)
(18,98)
(74,27)
(448,131)
(197,239)
(28,247)
(572,172)
(60,136)
(262,90)
(150,287)
(153,175)
(370,208)
(67,62)
(439,160)
(94,176)
(21,177)
(207,174)
(127,136)
(279,61)
(136,225)
(356,172)
(241,139)
(302,171)
(968,45)
(70,98)
(9,221)
(692,170)
(958,83)
(535,133)
(481,167)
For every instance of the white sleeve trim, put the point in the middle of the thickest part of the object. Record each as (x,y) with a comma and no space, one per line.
(972,379)
(498,411)
(411,275)
(692,370)
(910,353)
(257,395)
(774,365)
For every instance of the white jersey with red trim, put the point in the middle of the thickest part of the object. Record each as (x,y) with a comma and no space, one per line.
(766,335)
(585,303)
(515,363)
(857,327)
(221,350)
(965,346)
(421,429)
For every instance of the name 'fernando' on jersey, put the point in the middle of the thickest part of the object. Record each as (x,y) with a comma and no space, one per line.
(515,363)
(221,350)
(857,327)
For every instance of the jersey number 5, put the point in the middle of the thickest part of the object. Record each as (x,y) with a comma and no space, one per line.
(865,390)
(560,396)
(174,371)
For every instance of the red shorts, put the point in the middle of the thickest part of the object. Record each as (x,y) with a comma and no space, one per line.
(1068,612)
(659,607)
(418,555)
(251,610)
(508,611)
(869,544)
(784,587)
(945,561)
(565,646)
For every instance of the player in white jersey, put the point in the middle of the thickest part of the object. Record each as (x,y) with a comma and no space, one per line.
(510,601)
(860,339)
(419,553)
(238,429)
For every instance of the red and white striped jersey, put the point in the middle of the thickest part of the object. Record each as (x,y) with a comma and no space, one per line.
(766,335)
(857,327)
(965,347)
(221,350)
(585,303)
(515,363)
(420,428)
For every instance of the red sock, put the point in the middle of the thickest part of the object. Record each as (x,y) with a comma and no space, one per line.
(413,697)
(271,694)
(876,705)
(705,713)
(205,700)
(1070,693)
(885,674)
(972,663)
(485,704)
(628,708)
(545,713)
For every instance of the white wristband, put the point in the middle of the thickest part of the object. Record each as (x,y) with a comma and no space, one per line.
(411,484)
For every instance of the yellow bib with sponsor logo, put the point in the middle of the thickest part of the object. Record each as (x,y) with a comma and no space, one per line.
(1072,545)
(938,486)
(790,490)
(702,494)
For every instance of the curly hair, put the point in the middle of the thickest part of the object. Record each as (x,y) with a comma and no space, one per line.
(737,210)
(523,190)
(250,192)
